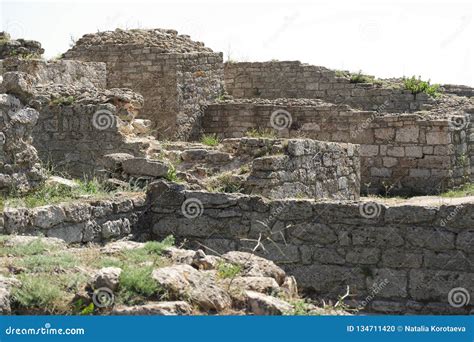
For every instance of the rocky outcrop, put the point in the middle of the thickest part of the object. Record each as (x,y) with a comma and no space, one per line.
(18,47)
(20,168)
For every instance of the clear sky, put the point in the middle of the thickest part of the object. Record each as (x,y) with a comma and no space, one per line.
(434,39)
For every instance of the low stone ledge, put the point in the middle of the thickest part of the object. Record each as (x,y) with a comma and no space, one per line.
(75,222)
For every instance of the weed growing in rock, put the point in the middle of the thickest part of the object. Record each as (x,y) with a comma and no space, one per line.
(56,193)
(361,78)
(465,190)
(210,140)
(63,100)
(261,133)
(227,270)
(38,292)
(225,182)
(136,285)
(416,86)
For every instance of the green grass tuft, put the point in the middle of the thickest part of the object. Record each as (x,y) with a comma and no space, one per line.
(261,133)
(210,140)
(465,190)
(136,285)
(38,292)
(228,270)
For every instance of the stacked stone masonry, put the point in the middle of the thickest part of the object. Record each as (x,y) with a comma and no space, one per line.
(272,80)
(84,221)
(80,120)
(176,83)
(412,254)
(307,168)
(405,153)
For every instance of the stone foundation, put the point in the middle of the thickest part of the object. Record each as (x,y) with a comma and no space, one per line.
(84,221)
(411,254)
(400,153)
(307,168)
(292,79)
(176,79)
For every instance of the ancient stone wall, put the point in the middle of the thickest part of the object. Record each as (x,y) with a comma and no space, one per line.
(272,80)
(85,221)
(174,81)
(18,47)
(405,154)
(79,121)
(404,257)
(72,139)
(20,168)
(85,74)
(307,168)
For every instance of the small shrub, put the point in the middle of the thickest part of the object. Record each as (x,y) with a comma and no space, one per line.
(300,308)
(136,285)
(38,292)
(48,263)
(210,140)
(261,133)
(417,85)
(228,270)
(225,182)
(172,175)
(361,78)
(52,194)
(342,73)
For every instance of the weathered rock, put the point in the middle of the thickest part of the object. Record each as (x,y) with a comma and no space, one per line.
(262,304)
(61,182)
(186,282)
(106,277)
(290,287)
(18,240)
(255,266)
(258,284)
(113,161)
(178,255)
(158,309)
(205,262)
(118,246)
(142,127)
(48,216)
(20,169)
(145,167)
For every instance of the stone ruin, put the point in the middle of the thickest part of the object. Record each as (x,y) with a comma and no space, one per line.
(20,167)
(298,146)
